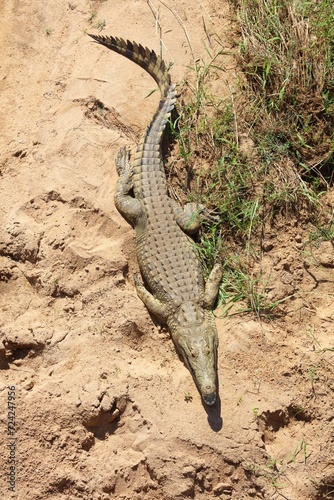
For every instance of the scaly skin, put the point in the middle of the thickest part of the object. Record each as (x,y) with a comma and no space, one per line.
(174,289)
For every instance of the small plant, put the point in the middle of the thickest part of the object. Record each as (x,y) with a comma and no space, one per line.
(255,411)
(240,285)
(92,16)
(322,232)
(298,412)
(188,397)
(313,339)
(312,376)
(300,449)
(100,25)
(48,31)
(270,472)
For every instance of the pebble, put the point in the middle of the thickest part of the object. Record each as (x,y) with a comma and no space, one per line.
(222,488)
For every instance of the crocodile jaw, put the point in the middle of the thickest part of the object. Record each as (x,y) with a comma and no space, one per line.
(197,344)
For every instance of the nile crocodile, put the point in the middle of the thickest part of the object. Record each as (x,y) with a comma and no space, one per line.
(173,287)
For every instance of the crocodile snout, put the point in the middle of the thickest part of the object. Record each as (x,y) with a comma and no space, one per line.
(208,391)
(209,399)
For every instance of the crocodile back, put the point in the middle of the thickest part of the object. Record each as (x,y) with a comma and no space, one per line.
(167,258)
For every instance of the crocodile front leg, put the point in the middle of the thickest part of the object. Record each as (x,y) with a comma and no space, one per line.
(127,205)
(157,308)
(212,285)
(188,217)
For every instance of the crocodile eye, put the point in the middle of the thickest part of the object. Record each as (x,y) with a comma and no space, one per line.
(206,350)
(194,352)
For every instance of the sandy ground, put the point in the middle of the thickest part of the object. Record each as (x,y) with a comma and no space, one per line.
(104,408)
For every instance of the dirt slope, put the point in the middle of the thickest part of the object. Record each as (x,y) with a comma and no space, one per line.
(104,407)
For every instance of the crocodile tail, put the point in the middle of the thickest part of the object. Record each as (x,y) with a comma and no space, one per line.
(144,57)
(155,67)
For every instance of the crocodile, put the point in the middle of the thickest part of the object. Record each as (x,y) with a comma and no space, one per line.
(172,284)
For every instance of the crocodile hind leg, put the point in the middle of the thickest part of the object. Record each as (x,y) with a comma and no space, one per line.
(127,205)
(212,285)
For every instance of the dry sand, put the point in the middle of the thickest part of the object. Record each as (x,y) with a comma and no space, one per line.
(104,407)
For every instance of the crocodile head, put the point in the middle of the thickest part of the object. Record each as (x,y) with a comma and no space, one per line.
(197,342)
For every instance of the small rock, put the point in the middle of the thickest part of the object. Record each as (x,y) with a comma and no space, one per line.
(325,254)
(251,492)
(189,471)
(222,488)
(267,246)
(28,385)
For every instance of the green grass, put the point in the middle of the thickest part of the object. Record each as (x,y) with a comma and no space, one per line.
(322,232)
(285,105)
(242,291)
(204,129)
